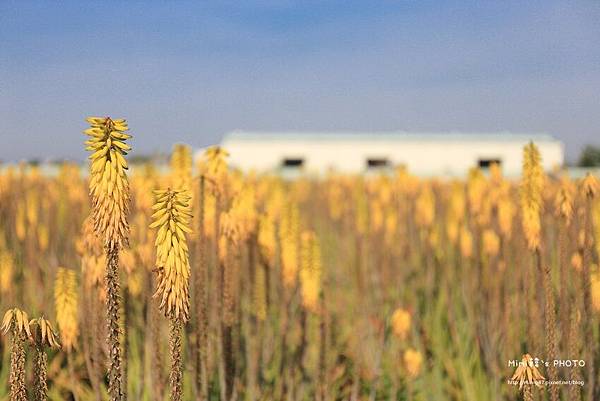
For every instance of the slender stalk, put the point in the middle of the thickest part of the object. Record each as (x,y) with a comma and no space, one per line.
(528,392)
(565,304)
(550,323)
(587,298)
(40,375)
(201,301)
(89,344)
(125,337)
(176,375)
(574,393)
(228,274)
(301,350)
(115,371)
(18,390)
(322,382)
(158,386)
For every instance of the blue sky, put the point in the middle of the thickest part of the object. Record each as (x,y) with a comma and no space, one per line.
(191,71)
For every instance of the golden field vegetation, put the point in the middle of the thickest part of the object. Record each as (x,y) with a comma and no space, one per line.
(203,282)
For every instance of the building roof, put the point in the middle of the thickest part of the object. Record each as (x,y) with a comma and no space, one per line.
(451,136)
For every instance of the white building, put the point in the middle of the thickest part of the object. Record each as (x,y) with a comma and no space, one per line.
(427,154)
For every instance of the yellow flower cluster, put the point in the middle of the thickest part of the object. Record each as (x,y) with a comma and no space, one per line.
(229,234)
(401,322)
(335,198)
(506,213)
(172,218)
(390,226)
(456,212)
(413,360)
(361,210)
(564,199)
(66,301)
(266,237)
(590,186)
(69,178)
(244,211)
(215,168)
(93,260)
(425,207)
(531,195)
(595,288)
(289,231)
(181,167)
(576,261)
(491,242)
(20,223)
(405,182)
(6,268)
(109,187)
(466,242)
(310,272)
(476,194)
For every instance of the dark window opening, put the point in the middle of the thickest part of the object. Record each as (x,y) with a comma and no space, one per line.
(487,163)
(293,162)
(378,163)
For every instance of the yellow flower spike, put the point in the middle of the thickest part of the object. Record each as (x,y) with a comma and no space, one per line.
(289,232)
(108,185)
(390,226)
(466,243)
(20,223)
(506,215)
(266,238)
(425,207)
(310,271)
(576,261)
(66,298)
(595,288)
(93,260)
(457,201)
(491,243)
(456,212)
(495,173)
(181,167)
(230,228)
(215,167)
(243,212)
(476,188)
(413,361)
(335,199)
(564,199)
(171,217)
(590,186)
(401,323)
(361,210)
(532,185)
(6,271)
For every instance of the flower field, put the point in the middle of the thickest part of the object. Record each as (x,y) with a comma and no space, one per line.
(201,282)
